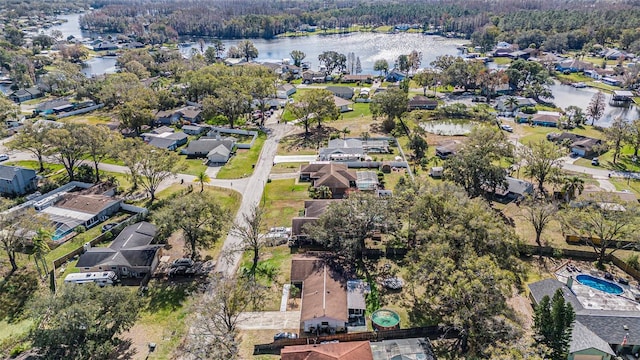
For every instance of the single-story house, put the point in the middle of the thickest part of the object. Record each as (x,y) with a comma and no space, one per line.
(367,180)
(597,194)
(369,146)
(342,104)
(612,54)
(16,181)
(337,177)
(21,95)
(520,54)
(191,114)
(368,79)
(285,90)
(502,103)
(516,189)
(343,92)
(216,150)
(130,254)
(502,52)
(580,145)
(193,129)
(396,75)
(573,65)
(104,46)
(596,332)
(447,149)
(309,77)
(167,117)
(611,81)
(166,140)
(352,350)
(160,130)
(313,209)
(545,118)
(341,154)
(69,210)
(323,306)
(420,102)
(46,107)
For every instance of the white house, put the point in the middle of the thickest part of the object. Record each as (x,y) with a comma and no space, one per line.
(285,90)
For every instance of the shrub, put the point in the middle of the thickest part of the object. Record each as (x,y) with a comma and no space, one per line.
(632,261)
(80,229)
(19,349)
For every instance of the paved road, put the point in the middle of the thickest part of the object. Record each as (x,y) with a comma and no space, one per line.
(251,195)
(294,158)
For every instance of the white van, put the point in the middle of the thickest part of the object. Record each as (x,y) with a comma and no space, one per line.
(101,278)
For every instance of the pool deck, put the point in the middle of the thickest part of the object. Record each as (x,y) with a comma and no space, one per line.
(593,299)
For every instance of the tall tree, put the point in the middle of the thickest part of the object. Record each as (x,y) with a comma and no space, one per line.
(539,214)
(633,136)
(247,50)
(543,160)
(419,146)
(475,167)
(316,104)
(358,65)
(231,102)
(415,60)
(40,248)
(425,78)
(346,224)
(403,63)
(98,141)
(201,220)
(34,139)
(595,110)
(249,231)
(16,227)
(575,115)
(392,103)
(297,56)
(381,65)
(333,61)
(153,165)
(616,134)
(262,89)
(214,326)
(553,321)
(608,224)
(82,322)
(67,147)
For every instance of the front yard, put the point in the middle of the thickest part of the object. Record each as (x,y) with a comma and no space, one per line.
(242,163)
(283,200)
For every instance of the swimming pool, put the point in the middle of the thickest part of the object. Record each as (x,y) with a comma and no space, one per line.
(599,284)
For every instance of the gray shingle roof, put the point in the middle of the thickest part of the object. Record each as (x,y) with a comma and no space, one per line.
(162,143)
(548,287)
(9,172)
(204,146)
(612,328)
(135,235)
(582,339)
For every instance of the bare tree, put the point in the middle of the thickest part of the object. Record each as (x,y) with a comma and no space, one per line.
(539,214)
(248,230)
(596,107)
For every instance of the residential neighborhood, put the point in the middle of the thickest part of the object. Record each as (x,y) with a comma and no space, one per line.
(454,180)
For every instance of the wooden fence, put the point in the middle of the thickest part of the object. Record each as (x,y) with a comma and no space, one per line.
(430,332)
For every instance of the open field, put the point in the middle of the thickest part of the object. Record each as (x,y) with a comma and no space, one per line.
(282,200)
(241,164)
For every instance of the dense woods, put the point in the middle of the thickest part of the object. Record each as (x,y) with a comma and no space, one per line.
(577,21)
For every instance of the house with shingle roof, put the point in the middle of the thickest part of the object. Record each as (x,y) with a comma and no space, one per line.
(16,180)
(215,149)
(354,350)
(335,176)
(130,254)
(596,332)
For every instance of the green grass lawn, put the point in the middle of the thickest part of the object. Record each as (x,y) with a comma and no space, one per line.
(241,165)
(279,258)
(360,110)
(33,164)
(286,168)
(283,199)
(193,166)
(386,28)
(624,163)
(97,119)
(537,133)
(574,78)
(10,332)
(502,60)
(627,185)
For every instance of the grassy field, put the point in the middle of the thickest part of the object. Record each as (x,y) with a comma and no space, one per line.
(625,161)
(502,60)
(96,119)
(537,133)
(193,166)
(283,199)
(627,185)
(33,164)
(278,258)
(241,165)
(286,168)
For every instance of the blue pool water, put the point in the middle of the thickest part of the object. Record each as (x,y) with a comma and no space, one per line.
(599,284)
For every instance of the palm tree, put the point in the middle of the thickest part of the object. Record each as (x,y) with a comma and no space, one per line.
(571,186)
(345,132)
(202,178)
(40,249)
(511,103)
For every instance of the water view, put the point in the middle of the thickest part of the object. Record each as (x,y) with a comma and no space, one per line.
(448,127)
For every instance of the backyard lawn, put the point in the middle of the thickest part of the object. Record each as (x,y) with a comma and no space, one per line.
(537,133)
(241,164)
(625,161)
(283,199)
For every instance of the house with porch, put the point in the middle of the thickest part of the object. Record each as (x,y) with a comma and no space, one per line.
(448,149)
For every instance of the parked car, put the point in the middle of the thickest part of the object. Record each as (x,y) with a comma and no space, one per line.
(186,262)
(285,335)
(595,161)
(107,227)
(507,128)
(4,157)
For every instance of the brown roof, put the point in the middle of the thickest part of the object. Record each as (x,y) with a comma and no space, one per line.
(341,102)
(420,100)
(91,204)
(332,175)
(324,292)
(355,350)
(356,77)
(312,211)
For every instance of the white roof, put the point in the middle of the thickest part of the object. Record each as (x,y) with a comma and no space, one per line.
(53,211)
